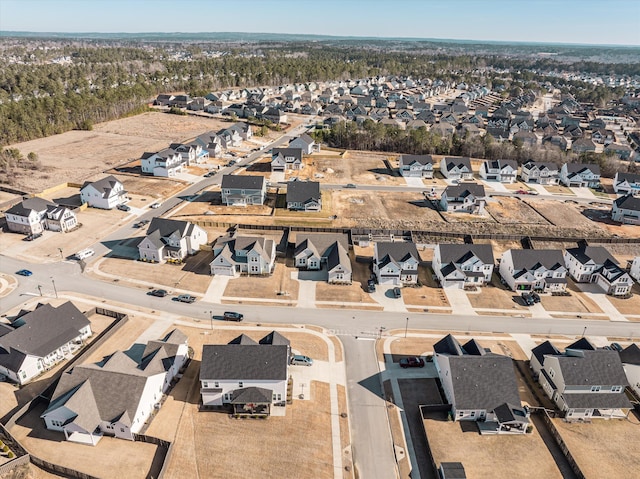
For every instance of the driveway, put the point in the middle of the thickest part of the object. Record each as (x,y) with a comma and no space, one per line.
(216,288)
(307,287)
(495,186)
(539,188)
(414,181)
(594,292)
(459,301)
(584,193)
(277,177)
(384,296)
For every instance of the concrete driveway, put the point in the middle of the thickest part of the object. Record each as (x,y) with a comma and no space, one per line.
(583,193)
(539,188)
(414,181)
(459,301)
(384,296)
(495,186)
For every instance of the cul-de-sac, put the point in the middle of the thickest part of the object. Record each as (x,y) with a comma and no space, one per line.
(304,258)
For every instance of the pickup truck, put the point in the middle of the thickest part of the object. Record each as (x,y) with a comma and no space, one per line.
(185,298)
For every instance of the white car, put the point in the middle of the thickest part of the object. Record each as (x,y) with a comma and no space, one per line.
(85,253)
(155,205)
(300,360)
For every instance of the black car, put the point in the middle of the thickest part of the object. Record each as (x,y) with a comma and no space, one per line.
(397,292)
(371,286)
(527,298)
(536,297)
(160,293)
(232,316)
(33,236)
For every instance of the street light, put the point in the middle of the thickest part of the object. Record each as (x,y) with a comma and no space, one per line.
(210,317)
(61,255)
(54,287)
(584,331)
(406,326)
(40,289)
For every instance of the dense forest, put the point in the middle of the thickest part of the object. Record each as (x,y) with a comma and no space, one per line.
(67,84)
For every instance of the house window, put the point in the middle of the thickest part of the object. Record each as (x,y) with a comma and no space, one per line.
(616,389)
(552,373)
(216,384)
(460,414)
(121,429)
(205,384)
(240,384)
(595,389)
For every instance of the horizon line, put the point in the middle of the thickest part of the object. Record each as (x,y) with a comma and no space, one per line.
(319,35)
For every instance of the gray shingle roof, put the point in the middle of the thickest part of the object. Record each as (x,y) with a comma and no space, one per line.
(596,400)
(452,162)
(167,227)
(321,241)
(252,395)
(398,252)
(244,362)
(546,348)
(242,182)
(274,338)
(573,168)
(303,191)
(105,185)
(421,159)
(464,189)
(600,367)
(458,253)
(598,254)
(631,354)
(25,207)
(287,152)
(628,202)
(528,258)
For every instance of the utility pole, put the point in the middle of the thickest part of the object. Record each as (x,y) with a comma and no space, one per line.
(40,289)
(406,327)
(55,291)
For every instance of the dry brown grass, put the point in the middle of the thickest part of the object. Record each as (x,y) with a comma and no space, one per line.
(425,296)
(345,435)
(577,302)
(603,449)
(337,348)
(496,298)
(629,305)
(513,211)
(264,287)
(487,456)
(563,214)
(352,293)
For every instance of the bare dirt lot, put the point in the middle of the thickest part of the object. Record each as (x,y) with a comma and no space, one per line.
(628,305)
(78,155)
(494,298)
(576,303)
(562,214)
(616,453)
(361,167)
(266,287)
(420,346)
(513,211)
(352,293)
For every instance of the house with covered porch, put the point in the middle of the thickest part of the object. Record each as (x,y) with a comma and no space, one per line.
(534,270)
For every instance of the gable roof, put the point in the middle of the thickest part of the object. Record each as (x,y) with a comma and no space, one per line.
(500,164)
(242,182)
(244,362)
(25,207)
(631,354)
(397,252)
(453,162)
(421,159)
(546,348)
(528,259)
(464,189)
(628,177)
(628,202)
(540,165)
(296,153)
(274,338)
(459,253)
(576,168)
(166,227)
(303,191)
(305,138)
(583,253)
(592,367)
(105,185)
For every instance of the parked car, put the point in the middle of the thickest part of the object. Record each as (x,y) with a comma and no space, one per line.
(535,297)
(300,360)
(412,362)
(185,298)
(232,316)
(371,286)
(527,298)
(85,253)
(160,293)
(616,346)
(350,185)
(123,207)
(209,174)
(33,236)
(24,272)
(397,292)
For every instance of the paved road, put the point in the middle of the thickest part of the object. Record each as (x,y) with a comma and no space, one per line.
(372,445)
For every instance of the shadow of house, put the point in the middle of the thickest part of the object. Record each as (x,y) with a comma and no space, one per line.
(72,201)
(373,385)
(598,216)
(123,249)
(207,197)
(264,167)
(382,171)
(199,263)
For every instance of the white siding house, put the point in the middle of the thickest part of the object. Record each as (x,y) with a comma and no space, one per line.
(106,193)
(396,263)
(539,270)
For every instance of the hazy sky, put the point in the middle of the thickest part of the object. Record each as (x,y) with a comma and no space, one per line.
(566,21)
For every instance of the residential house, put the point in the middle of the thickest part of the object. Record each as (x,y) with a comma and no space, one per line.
(528,138)
(455,168)
(118,395)
(210,142)
(249,376)
(480,386)
(283,159)
(460,265)
(304,196)
(420,166)
(34,215)
(626,210)
(463,198)
(191,153)
(229,138)
(324,251)
(165,163)
(396,263)
(584,382)
(243,190)
(622,151)
(180,101)
(106,193)
(630,358)
(306,144)
(275,115)
(243,129)
(580,175)
(171,240)
(540,172)
(594,264)
(163,100)
(441,129)
(504,171)
(236,254)
(634,268)
(36,341)
(626,183)
(539,270)
(603,136)
(583,145)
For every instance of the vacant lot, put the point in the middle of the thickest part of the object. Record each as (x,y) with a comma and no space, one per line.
(494,298)
(499,457)
(425,296)
(563,214)
(265,287)
(616,453)
(629,305)
(77,155)
(352,293)
(576,303)
(514,211)
(361,167)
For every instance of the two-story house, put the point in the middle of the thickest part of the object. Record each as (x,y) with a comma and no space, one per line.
(539,270)
(630,358)
(460,265)
(235,254)
(540,172)
(324,251)
(171,240)
(307,144)
(191,153)
(594,264)
(165,163)
(283,159)
(304,196)
(626,210)
(463,198)
(396,263)
(480,386)
(240,190)
(416,166)
(36,341)
(249,376)
(454,168)
(106,193)
(504,171)
(583,382)
(34,215)
(634,268)
(118,395)
(580,175)
(626,184)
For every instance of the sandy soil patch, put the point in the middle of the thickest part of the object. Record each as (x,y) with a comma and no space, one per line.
(513,211)
(350,293)
(265,286)
(562,214)
(361,167)
(629,305)
(616,454)
(449,443)
(459,218)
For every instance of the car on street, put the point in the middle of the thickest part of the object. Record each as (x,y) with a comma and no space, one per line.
(155,206)
(300,360)
(123,207)
(371,286)
(397,292)
(412,362)
(160,293)
(232,316)
(350,185)
(85,253)
(185,298)
(210,174)
(24,272)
